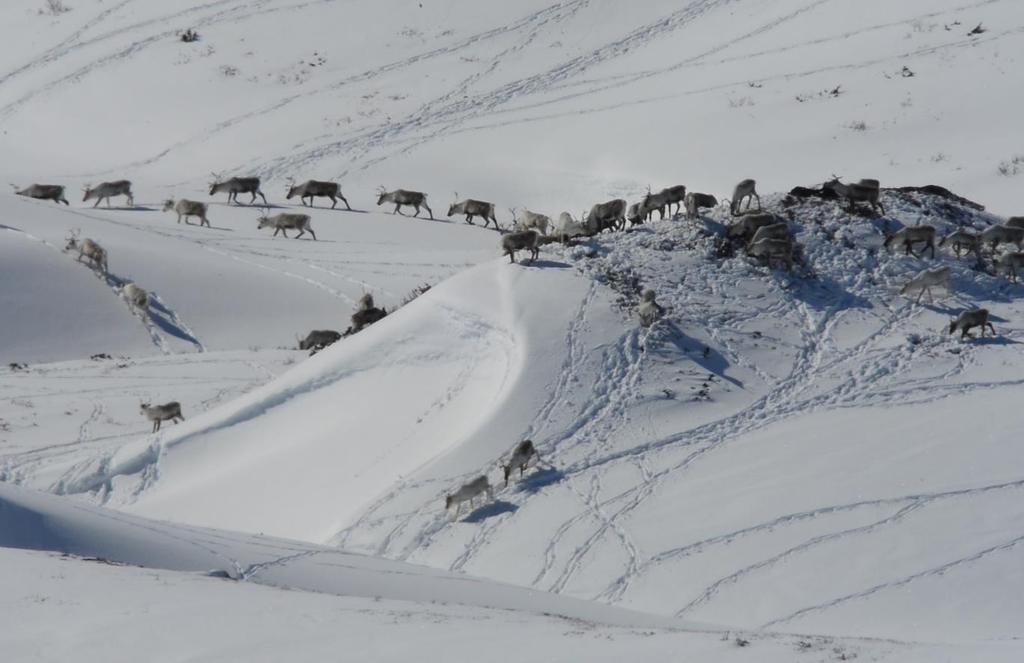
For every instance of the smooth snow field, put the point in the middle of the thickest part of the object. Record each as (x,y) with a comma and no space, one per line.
(789,465)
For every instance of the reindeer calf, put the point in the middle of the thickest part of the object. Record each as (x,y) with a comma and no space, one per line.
(970,319)
(160,413)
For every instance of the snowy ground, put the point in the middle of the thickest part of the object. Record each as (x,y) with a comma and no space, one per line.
(794,453)
(177,616)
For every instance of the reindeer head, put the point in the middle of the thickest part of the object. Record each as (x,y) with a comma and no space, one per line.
(214,182)
(381,195)
(168,204)
(261,219)
(87,191)
(292,188)
(72,239)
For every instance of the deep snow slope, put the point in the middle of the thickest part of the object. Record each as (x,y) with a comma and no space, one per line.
(227,287)
(218,595)
(543,103)
(807,439)
(804,452)
(179,615)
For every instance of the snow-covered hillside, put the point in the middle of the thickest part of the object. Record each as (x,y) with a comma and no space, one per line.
(802,452)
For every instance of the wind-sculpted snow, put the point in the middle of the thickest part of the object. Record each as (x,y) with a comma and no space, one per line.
(804,451)
(770,427)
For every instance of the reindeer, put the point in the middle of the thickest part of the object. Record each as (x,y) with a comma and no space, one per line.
(996,235)
(313,188)
(610,215)
(744,190)
(107,189)
(1015,222)
(695,201)
(865,191)
(400,198)
(674,195)
(523,240)
(1010,263)
(161,413)
(772,231)
(186,208)
(926,280)
(137,298)
(568,227)
(521,456)
(237,185)
(970,319)
(767,249)
(366,314)
(649,310)
(282,223)
(962,240)
(530,220)
(87,248)
(633,215)
(652,202)
(54,192)
(471,208)
(910,236)
(467,493)
(748,224)
(318,339)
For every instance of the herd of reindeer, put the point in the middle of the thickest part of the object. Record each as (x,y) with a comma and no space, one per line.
(762,235)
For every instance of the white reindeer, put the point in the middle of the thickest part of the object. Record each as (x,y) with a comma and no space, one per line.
(530,220)
(926,280)
(522,455)
(567,227)
(160,413)
(106,190)
(186,208)
(649,310)
(401,198)
(137,298)
(281,223)
(467,493)
(89,249)
(746,189)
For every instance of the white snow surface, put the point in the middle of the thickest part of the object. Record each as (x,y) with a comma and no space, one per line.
(782,453)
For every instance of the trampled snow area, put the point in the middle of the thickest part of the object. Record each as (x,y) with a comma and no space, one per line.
(782,453)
